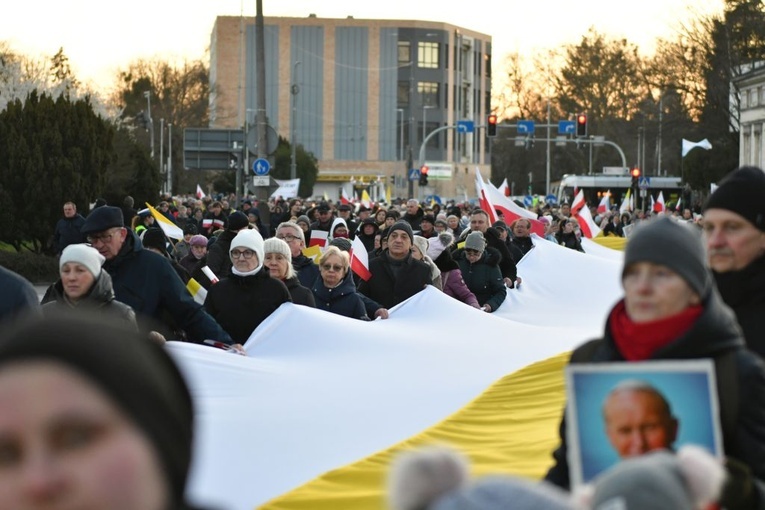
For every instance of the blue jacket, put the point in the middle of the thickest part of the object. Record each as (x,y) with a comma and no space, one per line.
(147,283)
(17,296)
(68,232)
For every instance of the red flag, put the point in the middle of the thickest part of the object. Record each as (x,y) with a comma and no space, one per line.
(658,205)
(605,203)
(512,211)
(483,197)
(318,238)
(344,197)
(360,259)
(581,212)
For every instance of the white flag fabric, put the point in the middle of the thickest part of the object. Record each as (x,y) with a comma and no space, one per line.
(359,387)
(504,188)
(581,212)
(689,145)
(200,193)
(626,202)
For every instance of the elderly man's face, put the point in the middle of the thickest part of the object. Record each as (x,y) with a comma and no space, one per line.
(69,210)
(637,422)
(411,207)
(292,238)
(109,242)
(399,244)
(732,241)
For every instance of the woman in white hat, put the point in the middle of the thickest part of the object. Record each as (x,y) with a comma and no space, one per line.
(84,285)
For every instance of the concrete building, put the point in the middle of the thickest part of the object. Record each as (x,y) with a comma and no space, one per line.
(358,94)
(752,117)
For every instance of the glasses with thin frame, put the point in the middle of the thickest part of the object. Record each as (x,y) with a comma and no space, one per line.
(102,238)
(287,237)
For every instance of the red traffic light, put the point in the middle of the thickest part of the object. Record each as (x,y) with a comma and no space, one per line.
(424,170)
(581,125)
(491,126)
(635,172)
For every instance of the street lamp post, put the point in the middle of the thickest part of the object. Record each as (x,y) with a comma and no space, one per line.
(400,134)
(425,109)
(147,95)
(295,89)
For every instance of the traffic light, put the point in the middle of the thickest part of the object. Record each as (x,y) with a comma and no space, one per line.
(635,172)
(581,125)
(491,126)
(424,175)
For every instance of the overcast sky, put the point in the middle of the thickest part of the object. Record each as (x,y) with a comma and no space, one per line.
(101,37)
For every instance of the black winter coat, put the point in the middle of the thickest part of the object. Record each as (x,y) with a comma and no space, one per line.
(343,300)
(389,291)
(68,232)
(569,240)
(307,271)
(483,277)
(100,299)
(241,303)
(301,295)
(713,335)
(744,292)
(146,282)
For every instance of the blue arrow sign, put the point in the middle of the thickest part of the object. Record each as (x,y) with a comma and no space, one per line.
(414,174)
(261,166)
(526,127)
(465,126)
(566,127)
(551,199)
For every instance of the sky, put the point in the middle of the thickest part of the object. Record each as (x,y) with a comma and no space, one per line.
(100,38)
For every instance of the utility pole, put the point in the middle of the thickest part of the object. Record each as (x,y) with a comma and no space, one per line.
(147,95)
(260,73)
(294,90)
(547,165)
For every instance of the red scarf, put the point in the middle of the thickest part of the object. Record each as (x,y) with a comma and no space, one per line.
(637,342)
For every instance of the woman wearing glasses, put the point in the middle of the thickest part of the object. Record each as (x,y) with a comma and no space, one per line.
(334,290)
(242,300)
(479,265)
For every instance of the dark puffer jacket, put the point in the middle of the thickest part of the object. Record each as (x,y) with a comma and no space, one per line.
(343,300)
(301,295)
(389,290)
(744,292)
(714,335)
(483,278)
(241,303)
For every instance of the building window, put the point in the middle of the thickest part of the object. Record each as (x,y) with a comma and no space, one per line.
(744,98)
(402,93)
(487,65)
(428,91)
(427,55)
(404,52)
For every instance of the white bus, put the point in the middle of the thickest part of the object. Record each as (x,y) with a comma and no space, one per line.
(594,186)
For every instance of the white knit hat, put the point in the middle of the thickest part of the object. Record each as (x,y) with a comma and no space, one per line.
(422,244)
(274,245)
(82,254)
(250,239)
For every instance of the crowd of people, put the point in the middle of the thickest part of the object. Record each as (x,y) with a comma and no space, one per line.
(694,288)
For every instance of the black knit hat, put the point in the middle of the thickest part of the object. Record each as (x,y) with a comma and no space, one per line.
(155,238)
(669,243)
(743,192)
(237,220)
(402,225)
(133,372)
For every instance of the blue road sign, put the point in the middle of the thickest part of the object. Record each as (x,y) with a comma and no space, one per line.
(551,199)
(526,127)
(566,127)
(644,182)
(414,174)
(261,166)
(465,126)
(528,201)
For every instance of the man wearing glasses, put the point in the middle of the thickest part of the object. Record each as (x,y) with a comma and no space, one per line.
(146,281)
(293,235)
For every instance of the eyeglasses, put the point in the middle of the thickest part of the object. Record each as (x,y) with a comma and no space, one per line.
(331,267)
(247,254)
(287,237)
(102,238)
(471,251)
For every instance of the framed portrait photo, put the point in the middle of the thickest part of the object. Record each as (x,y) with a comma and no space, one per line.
(620,410)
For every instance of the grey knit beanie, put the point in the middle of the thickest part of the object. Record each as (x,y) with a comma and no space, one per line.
(402,225)
(475,241)
(669,243)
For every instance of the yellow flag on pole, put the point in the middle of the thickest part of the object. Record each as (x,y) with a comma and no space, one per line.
(170,229)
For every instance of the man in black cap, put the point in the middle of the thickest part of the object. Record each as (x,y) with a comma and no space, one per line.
(396,275)
(325,219)
(734,230)
(146,281)
(345,211)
